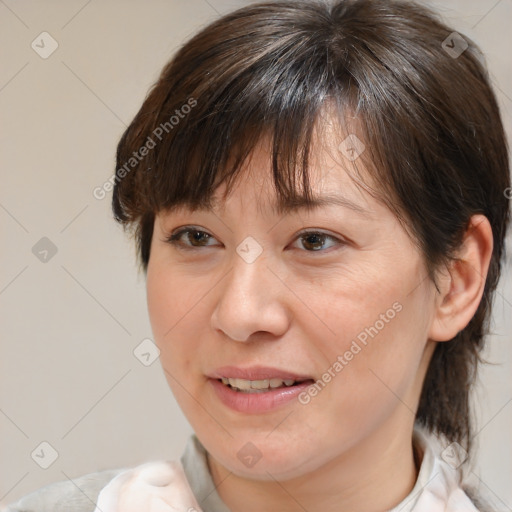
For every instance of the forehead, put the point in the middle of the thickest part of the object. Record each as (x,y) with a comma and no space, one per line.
(332,183)
(331,178)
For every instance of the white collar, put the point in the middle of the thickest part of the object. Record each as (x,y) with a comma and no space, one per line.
(439,483)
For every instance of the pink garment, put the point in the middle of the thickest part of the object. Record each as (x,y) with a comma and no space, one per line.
(152,487)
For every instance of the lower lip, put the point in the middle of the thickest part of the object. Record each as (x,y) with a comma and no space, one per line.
(257,402)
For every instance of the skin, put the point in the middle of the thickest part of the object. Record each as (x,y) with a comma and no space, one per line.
(297,309)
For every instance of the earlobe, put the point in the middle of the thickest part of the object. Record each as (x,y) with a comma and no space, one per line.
(464,283)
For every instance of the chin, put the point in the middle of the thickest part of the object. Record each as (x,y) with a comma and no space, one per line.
(263,460)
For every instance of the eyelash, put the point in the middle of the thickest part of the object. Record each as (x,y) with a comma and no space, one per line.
(174,239)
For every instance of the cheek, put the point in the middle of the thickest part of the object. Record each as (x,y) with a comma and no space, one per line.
(166,306)
(381,374)
(350,305)
(173,309)
(173,301)
(376,326)
(365,384)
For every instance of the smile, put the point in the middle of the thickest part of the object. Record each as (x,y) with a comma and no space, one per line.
(257,386)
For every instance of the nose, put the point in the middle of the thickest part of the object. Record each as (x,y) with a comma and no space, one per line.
(251,299)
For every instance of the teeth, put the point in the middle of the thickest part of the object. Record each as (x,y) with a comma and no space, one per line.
(275,383)
(252,386)
(259,384)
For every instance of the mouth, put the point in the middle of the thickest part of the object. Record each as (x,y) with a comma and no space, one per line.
(261,385)
(257,389)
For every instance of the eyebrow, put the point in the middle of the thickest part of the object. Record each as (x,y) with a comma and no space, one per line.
(300,203)
(318,202)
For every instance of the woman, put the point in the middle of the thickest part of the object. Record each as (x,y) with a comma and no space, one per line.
(318,196)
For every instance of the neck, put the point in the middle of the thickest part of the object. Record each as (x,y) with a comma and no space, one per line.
(375,475)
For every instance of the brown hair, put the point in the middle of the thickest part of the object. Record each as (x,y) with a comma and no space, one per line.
(428,116)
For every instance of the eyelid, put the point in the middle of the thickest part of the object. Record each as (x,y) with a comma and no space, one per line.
(307,231)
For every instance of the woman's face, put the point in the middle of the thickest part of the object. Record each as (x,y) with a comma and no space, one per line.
(336,296)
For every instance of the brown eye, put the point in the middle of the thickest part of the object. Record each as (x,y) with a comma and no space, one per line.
(314,241)
(190,238)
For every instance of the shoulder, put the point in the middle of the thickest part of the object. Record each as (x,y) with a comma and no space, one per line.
(79,494)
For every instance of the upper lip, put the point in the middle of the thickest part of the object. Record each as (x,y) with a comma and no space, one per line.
(256,373)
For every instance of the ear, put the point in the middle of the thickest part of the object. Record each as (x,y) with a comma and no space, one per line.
(462,285)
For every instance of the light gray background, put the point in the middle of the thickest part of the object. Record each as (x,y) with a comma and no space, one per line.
(69,326)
